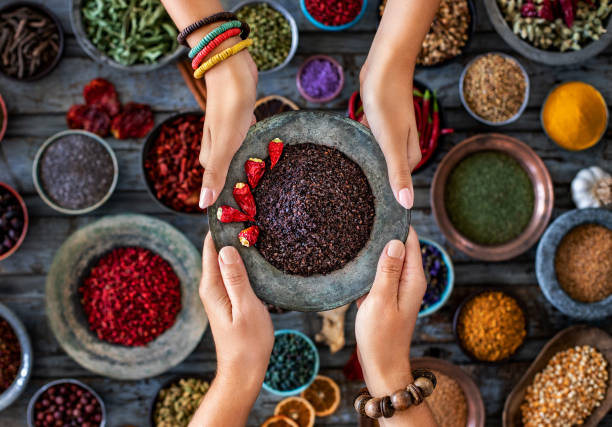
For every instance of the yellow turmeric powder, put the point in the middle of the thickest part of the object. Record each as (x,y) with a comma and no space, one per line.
(575,115)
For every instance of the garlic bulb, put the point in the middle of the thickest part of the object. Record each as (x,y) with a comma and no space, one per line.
(592,188)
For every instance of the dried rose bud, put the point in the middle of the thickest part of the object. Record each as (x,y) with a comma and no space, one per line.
(248,236)
(275,149)
(254,169)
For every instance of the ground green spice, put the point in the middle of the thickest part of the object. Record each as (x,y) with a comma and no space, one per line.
(489,198)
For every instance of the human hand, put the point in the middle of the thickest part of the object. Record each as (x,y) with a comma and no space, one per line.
(231,91)
(239,321)
(387,316)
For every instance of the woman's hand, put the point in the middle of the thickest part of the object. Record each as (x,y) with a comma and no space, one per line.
(385,323)
(231,92)
(243,334)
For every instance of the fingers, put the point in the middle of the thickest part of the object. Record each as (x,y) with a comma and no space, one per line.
(400,177)
(217,163)
(389,271)
(412,284)
(235,278)
(212,291)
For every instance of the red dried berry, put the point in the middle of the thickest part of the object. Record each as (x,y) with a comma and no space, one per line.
(135,121)
(102,93)
(91,118)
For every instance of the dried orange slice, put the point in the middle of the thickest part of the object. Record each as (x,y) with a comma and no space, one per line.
(324,395)
(279,421)
(298,409)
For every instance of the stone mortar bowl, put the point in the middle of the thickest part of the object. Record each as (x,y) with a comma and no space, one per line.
(545,264)
(391,221)
(67,318)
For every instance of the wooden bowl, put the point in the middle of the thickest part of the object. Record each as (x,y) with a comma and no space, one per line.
(26,220)
(264,108)
(549,57)
(567,338)
(542,189)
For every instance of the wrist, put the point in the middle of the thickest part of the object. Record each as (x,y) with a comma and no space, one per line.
(231,379)
(384,382)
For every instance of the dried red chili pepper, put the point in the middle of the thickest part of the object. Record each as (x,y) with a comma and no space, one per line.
(135,121)
(568,12)
(254,169)
(102,93)
(546,11)
(228,214)
(131,296)
(352,370)
(275,150)
(10,355)
(529,9)
(244,198)
(172,166)
(91,118)
(248,236)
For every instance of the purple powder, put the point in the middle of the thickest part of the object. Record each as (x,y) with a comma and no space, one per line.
(320,78)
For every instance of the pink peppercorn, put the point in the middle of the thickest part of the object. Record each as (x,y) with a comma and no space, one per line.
(334,13)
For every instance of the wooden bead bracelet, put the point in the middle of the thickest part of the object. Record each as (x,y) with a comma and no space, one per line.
(413,395)
(221,16)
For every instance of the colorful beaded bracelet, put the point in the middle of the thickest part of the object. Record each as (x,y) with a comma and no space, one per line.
(221,16)
(412,395)
(199,73)
(214,33)
(212,45)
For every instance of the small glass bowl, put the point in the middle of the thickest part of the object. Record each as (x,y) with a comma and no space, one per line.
(450,279)
(315,370)
(331,27)
(298,79)
(476,116)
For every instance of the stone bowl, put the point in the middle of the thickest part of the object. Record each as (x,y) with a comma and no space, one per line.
(545,264)
(78,27)
(25,369)
(67,318)
(548,57)
(391,221)
(542,189)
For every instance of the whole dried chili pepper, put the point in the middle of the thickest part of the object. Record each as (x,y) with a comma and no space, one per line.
(546,11)
(227,214)
(435,128)
(417,93)
(248,236)
(275,150)
(568,12)
(135,121)
(244,198)
(425,117)
(352,370)
(529,9)
(102,93)
(254,169)
(447,131)
(91,118)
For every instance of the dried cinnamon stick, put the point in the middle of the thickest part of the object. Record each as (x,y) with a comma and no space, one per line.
(196,86)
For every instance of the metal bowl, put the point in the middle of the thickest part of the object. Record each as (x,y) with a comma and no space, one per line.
(36,396)
(544,56)
(40,189)
(144,151)
(67,319)
(542,189)
(41,8)
(545,264)
(342,27)
(26,220)
(76,18)
(292,24)
(25,369)
(476,116)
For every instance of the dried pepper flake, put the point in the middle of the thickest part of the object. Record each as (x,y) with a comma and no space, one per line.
(254,169)
(244,198)
(135,121)
(227,214)
(248,236)
(91,118)
(102,93)
(275,149)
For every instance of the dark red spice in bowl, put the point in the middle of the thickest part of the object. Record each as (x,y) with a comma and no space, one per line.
(13,221)
(315,210)
(65,403)
(131,296)
(334,13)
(10,355)
(171,162)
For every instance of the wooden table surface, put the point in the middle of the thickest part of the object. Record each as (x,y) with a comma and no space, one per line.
(37,110)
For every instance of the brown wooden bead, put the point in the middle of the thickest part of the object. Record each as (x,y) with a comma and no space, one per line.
(372,408)
(360,403)
(401,400)
(386,409)
(425,385)
(415,392)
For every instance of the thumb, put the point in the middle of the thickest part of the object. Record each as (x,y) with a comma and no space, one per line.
(215,173)
(400,177)
(235,277)
(413,283)
(389,271)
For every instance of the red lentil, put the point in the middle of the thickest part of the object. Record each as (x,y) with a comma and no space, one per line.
(131,296)
(10,355)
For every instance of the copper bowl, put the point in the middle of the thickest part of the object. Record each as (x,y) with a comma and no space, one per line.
(542,189)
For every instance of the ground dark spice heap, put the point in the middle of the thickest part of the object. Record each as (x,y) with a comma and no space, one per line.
(11,221)
(315,210)
(76,171)
(10,355)
(489,198)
